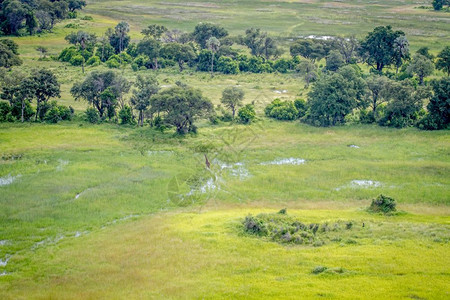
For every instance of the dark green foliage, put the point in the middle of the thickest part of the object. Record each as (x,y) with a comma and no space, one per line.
(5,112)
(55,113)
(438,116)
(319,269)
(205,31)
(146,87)
(334,96)
(283,65)
(126,116)
(405,104)
(119,38)
(443,60)
(92,115)
(247,114)
(227,65)
(232,98)
(151,48)
(334,61)
(439,4)
(282,228)
(383,204)
(301,107)
(9,55)
(181,106)
(93,61)
(378,48)
(281,110)
(67,54)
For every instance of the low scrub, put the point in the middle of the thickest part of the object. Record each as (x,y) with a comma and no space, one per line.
(383,204)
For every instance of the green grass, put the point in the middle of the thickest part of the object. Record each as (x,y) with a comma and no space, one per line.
(206,255)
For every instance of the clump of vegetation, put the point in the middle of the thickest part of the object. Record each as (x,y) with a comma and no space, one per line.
(281,110)
(322,269)
(282,228)
(383,204)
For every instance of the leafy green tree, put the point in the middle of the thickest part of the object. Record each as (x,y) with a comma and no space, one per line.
(126,116)
(150,48)
(334,96)
(97,88)
(443,60)
(204,31)
(404,105)
(154,31)
(9,55)
(420,66)
(83,41)
(46,86)
(146,88)
(181,53)
(439,4)
(247,114)
(378,88)
(13,14)
(334,61)
(119,38)
(181,106)
(348,47)
(378,48)
(76,5)
(232,98)
(425,51)
(401,51)
(281,110)
(308,48)
(213,45)
(438,116)
(308,70)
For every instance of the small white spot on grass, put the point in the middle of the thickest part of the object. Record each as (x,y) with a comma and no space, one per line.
(3,242)
(285,161)
(361,184)
(354,146)
(4,262)
(62,164)
(8,179)
(4,273)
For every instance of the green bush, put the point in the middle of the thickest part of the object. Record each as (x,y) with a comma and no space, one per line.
(382,204)
(227,65)
(126,116)
(281,110)
(247,114)
(301,107)
(93,61)
(16,111)
(67,54)
(77,60)
(5,111)
(92,115)
(55,113)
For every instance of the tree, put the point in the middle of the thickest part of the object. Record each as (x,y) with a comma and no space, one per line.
(439,4)
(254,40)
(205,31)
(438,116)
(46,86)
(348,47)
(83,41)
(378,92)
(119,38)
(307,69)
(14,13)
(401,51)
(378,48)
(181,106)
(310,49)
(76,5)
(443,60)
(98,89)
(404,105)
(181,53)
(421,66)
(9,55)
(425,51)
(213,45)
(18,90)
(232,98)
(332,97)
(154,31)
(151,48)
(146,87)
(334,61)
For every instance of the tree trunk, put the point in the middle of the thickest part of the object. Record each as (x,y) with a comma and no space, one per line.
(82,65)
(212,65)
(23,108)
(233,109)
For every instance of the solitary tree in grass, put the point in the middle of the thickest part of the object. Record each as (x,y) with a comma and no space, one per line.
(146,87)
(213,44)
(232,98)
(180,106)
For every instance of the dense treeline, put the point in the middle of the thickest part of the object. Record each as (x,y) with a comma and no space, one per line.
(30,16)
(393,93)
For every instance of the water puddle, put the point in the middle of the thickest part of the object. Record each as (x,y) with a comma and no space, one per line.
(364,184)
(8,179)
(61,164)
(285,161)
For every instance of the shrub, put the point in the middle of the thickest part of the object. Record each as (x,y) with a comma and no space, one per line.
(254,225)
(113,63)
(126,116)
(227,66)
(55,113)
(247,114)
(281,110)
(383,204)
(319,269)
(92,115)
(16,111)
(67,54)
(5,111)
(301,107)
(77,60)
(93,61)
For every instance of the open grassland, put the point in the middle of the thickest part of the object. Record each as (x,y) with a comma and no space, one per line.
(286,19)
(207,255)
(71,180)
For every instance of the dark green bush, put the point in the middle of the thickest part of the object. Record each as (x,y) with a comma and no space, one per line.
(5,111)
(92,115)
(77,60)
(281,110)
(382,204)
(126,116)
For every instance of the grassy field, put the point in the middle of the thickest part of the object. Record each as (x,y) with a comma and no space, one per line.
(108,211)
(77,186)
